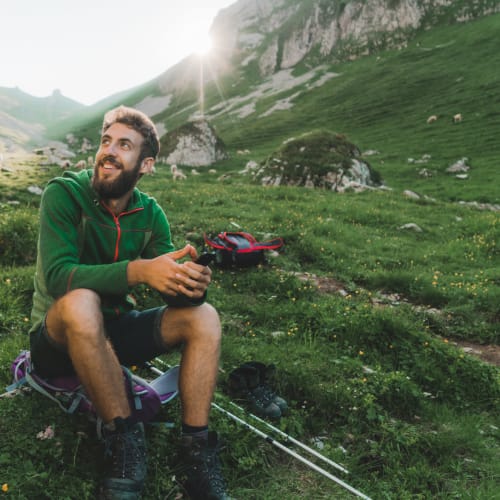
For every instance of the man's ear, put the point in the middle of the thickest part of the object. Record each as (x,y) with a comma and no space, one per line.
(147,166)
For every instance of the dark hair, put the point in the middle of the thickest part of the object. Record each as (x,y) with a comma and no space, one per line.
(138,121)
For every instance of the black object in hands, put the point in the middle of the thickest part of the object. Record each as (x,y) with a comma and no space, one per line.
(205,258)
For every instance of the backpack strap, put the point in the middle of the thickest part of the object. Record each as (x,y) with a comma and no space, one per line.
(241,242)
(145,397)
(75,397)
(24,375)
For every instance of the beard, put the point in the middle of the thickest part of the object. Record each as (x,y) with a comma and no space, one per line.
(125,182)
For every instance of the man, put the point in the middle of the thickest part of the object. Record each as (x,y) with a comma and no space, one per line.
(100,236)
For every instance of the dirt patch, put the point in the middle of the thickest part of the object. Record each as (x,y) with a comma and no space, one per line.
(488,353)
(324,284)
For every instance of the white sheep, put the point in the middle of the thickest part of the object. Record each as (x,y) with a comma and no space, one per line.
(176,173)
(64,164)
(432,119)
(80,165)
(457,118)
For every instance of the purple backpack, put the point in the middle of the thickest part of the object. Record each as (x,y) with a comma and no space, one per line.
(145,397)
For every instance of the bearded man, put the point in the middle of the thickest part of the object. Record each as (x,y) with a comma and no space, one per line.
(99,237)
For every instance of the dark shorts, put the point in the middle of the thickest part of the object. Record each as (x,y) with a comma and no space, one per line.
(135,337)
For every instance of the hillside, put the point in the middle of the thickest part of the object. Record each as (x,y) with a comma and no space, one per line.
(442,71)
(24,118)
(375,309)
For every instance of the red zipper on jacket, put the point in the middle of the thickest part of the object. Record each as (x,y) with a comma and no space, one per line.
(116,219)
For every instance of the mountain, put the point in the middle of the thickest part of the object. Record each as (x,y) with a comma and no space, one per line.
(269,36)
(281,68)
(24,118)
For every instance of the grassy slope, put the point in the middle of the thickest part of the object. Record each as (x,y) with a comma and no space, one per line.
(423,424)
(382,102)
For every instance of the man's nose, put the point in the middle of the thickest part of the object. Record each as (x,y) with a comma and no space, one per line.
(110,148)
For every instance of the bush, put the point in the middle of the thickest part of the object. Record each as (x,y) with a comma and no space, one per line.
(18,235)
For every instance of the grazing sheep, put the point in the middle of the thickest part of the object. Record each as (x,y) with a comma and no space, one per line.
(457,118)
(64,164)
(90,161)
(80,165)
(432,119)
(176,173)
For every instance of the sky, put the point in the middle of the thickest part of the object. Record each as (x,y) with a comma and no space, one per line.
(91,49)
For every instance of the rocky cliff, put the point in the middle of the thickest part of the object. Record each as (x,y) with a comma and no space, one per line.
(279,34)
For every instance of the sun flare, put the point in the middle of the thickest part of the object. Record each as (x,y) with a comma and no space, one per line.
(201,44)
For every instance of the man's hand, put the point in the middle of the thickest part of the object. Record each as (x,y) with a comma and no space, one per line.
(170,277)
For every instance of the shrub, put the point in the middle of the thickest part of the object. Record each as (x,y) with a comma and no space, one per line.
(18,233)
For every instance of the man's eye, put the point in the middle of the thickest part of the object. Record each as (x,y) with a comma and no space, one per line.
(125,145)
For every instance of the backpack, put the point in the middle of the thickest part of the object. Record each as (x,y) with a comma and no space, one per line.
(240,248)
(145,397)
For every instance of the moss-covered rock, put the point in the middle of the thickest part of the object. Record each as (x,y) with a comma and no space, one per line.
(318,159)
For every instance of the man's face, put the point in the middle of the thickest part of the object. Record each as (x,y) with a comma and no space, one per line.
(117,166)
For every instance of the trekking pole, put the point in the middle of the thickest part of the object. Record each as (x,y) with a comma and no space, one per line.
(154,369)
(292,439)
(284,435)
(282,447)
(279,445)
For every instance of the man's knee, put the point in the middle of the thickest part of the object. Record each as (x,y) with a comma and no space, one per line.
(191,323)
(81,301)
(209,319)
(78,310)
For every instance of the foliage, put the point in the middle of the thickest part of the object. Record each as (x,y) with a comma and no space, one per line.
(18,230)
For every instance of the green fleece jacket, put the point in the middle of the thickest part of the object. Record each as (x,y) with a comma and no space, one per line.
(82,244)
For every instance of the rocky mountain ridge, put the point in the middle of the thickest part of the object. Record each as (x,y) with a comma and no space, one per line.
(261,42)
(279,34)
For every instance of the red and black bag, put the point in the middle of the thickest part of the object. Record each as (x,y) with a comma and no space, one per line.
(240,248)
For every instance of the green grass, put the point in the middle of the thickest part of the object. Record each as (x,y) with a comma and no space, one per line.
(420,424)
(374,372)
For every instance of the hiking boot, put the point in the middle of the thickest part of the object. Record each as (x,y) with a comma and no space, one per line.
(126,449)
(276,400)
(203,478)
(249,383)
(261,400)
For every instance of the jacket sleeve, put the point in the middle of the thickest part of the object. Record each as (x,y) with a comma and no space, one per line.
(59,250)
(160,243)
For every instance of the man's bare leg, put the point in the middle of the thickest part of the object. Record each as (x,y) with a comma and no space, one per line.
(75,321)
(200,331)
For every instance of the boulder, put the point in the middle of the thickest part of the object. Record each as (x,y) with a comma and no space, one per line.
(319,159)
(194,144)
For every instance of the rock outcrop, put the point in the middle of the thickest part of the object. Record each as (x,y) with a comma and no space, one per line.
(194,144)
(278,34)
(318,159)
